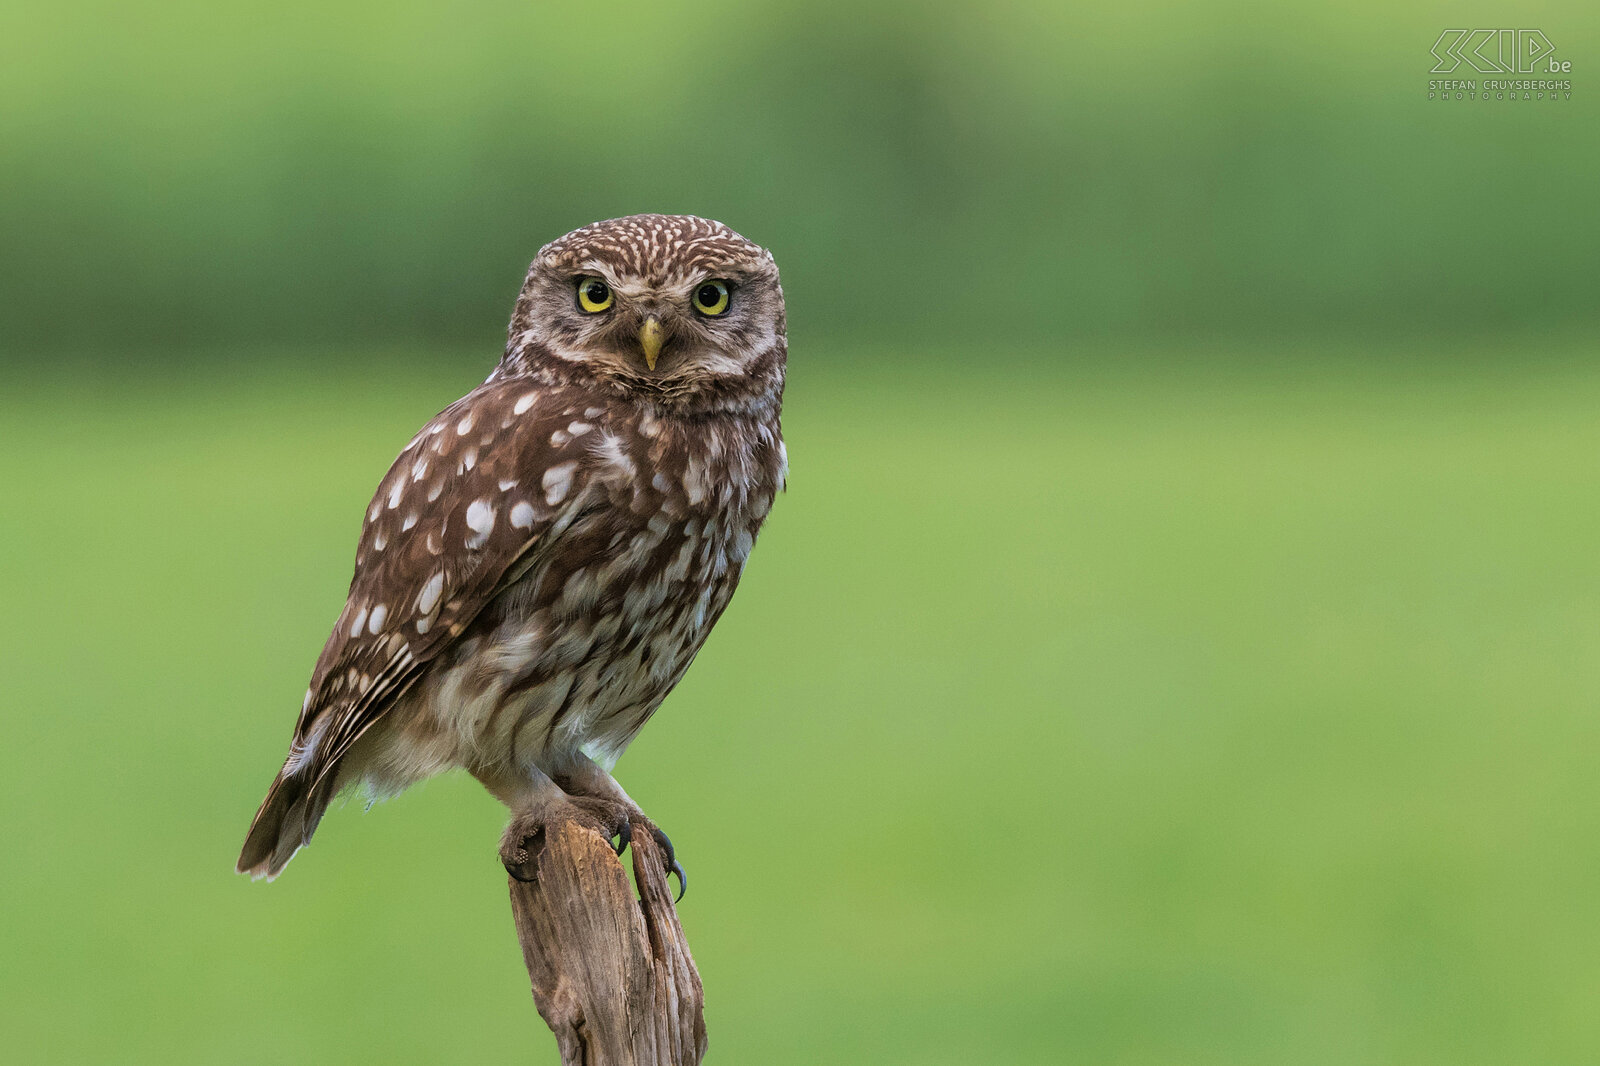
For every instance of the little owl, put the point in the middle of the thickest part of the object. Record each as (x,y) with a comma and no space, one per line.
(544,559)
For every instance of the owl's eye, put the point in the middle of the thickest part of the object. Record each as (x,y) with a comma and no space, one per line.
(711,298)
(594,295)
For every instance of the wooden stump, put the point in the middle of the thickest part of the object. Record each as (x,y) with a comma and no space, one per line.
(612,975)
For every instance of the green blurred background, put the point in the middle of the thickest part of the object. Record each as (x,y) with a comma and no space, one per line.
(1178,642)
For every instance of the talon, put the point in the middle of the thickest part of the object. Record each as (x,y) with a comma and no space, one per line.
(670,860)
(624,836)
(664,842)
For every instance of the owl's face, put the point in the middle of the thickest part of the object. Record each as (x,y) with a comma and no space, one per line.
(670,306)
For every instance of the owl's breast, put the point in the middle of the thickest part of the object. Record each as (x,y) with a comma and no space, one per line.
(580,650)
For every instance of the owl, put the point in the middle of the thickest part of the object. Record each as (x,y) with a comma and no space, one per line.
(542,562)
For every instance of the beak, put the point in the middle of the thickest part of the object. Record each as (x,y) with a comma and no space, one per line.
(650,339)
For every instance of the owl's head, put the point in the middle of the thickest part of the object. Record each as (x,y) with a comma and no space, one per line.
(675,308)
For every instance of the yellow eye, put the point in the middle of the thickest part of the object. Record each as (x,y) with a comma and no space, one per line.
(594,295)
(711,297)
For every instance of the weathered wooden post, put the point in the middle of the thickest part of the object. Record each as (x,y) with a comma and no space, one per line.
(612,975)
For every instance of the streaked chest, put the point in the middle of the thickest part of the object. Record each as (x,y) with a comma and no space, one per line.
(607,618)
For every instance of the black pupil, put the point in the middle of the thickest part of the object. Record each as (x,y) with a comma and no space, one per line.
(709,295)
(595,291)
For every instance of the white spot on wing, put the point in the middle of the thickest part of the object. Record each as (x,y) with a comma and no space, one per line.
(557,482)
(522,515)
(428,598)
(480,519)
(360,622)
(523,403)
(464,426)
(375,623)
(395,491)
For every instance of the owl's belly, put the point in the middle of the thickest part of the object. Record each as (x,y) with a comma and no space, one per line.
(571,658)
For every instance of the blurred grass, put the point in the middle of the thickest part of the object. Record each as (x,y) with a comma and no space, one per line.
(1145,706)
(180,174)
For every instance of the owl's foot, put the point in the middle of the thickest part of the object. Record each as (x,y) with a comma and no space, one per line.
(589,786)
(524,838)
(521,844)
(613,819)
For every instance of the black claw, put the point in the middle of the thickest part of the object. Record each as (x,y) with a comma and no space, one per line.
(664,842)
(624,836)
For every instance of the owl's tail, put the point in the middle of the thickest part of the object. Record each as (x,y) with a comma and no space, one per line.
(288,816)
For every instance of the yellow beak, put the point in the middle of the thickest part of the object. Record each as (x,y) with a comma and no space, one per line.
(650,338)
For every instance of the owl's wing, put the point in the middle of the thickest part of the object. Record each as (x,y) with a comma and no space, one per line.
(463,510)
(472,495)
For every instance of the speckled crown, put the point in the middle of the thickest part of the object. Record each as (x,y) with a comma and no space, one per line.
(656,248)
